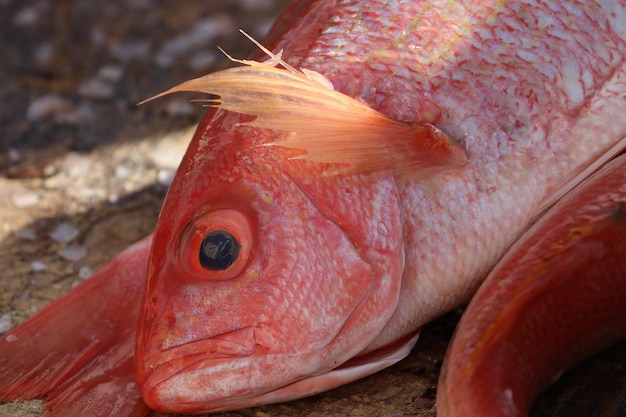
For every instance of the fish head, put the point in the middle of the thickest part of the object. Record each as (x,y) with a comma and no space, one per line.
(264,274)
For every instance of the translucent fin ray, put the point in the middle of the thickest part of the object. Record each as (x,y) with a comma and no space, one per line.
(328,126)
(78,352)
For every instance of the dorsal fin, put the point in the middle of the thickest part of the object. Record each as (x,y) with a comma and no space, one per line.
(328,126)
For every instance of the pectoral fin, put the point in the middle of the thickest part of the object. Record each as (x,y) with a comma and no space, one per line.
(326,125)
(557,297)
(78,351)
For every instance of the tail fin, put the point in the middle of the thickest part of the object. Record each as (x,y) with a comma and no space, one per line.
(78,351)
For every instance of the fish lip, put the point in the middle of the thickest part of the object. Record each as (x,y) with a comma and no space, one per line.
(189,356)
(229,344)
(188,380)
(164,394)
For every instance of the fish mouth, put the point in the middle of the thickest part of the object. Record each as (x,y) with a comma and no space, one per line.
(190,358)
(218,373)
(235,343)
(212,385)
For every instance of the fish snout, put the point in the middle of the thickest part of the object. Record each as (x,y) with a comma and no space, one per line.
(177,374)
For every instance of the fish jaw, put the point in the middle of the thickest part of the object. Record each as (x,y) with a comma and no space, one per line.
(175,392)
(314,289)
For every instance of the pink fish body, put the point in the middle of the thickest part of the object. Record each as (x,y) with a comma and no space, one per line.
(381,255)
(270,279)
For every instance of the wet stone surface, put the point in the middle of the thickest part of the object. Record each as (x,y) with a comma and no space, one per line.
(83,170)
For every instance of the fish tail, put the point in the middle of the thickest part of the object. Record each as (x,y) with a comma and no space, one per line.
(78,352)
(556,298)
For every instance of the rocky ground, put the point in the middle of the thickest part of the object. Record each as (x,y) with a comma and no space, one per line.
(83,171)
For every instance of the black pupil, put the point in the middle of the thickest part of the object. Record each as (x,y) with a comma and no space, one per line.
(219,250)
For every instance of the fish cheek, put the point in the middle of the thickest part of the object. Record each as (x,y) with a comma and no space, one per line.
(334,286)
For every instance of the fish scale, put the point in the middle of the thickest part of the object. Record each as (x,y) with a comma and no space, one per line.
(339,271)
(524,169)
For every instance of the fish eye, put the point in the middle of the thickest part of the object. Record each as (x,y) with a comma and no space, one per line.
(216,244)
(218,250)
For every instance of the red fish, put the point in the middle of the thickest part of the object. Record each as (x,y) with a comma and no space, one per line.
(285,263)
(557,297)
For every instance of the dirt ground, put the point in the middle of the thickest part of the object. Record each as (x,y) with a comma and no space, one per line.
(83,172)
